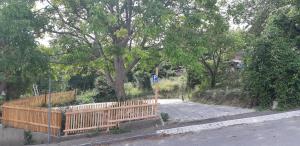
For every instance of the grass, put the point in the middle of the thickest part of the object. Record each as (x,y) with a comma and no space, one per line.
(132,91)
(173,87)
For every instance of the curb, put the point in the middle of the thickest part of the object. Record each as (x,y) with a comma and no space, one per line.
(221,124)
(150,135)
(208,124)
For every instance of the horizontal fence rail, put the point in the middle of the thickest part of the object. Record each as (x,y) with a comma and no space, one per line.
(33,119)
(26,113)
(107,115)
(36,101)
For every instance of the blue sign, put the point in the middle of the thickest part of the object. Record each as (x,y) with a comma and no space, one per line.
(155,78)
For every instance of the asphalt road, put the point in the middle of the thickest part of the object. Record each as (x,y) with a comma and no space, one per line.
(284,132)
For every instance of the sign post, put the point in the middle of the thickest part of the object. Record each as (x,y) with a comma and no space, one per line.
(155,80)
(49,110)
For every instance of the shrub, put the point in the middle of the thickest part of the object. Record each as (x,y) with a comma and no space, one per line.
(82,82)
(105,93)
(193,78)
(164,116)
(86,97)
(274,74)
(132,91)
(142,80)
(28,138)
(166,85)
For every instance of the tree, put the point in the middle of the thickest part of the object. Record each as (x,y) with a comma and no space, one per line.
(199,38)
(117,34)
(273,67)
(21,62)
(255,13)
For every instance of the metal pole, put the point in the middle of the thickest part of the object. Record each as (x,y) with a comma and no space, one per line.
(49,110)
(156,88)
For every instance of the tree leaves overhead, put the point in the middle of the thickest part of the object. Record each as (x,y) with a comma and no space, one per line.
(273,72)
(21,61)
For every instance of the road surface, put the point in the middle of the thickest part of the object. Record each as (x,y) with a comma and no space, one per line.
(285,132)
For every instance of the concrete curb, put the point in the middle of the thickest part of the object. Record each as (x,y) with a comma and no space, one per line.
(150,135)
(216,125)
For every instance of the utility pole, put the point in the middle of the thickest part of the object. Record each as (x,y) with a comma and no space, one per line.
(49,109)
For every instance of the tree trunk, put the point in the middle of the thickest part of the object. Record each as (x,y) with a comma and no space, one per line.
(2,87)
(119,77)
(212,80)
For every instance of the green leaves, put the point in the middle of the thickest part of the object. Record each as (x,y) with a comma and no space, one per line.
(273,72)
(21,62)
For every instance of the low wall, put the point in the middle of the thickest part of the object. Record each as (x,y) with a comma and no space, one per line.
(15,137)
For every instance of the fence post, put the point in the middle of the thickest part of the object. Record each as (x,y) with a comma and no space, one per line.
(108,120)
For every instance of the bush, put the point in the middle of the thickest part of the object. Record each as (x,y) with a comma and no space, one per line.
(28,138)
(86,97)
(164,116)
(132,91)
(82,82)
(166,85)
(166,70)
(2,98)
(105,93)
(274,74)
(142,80)
(193,78)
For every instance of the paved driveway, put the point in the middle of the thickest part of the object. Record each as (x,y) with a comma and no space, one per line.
(284,132)
(189,111)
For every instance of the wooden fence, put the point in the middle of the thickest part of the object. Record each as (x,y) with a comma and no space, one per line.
(107,115)
(37,101)
(33,119)
(26,113)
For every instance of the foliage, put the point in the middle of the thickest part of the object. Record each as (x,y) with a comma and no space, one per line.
(112,37)
(199,39)
(132,91)
(28,138)
(273,68)
(254,14)
(1,99)
(168,85)
(104,91)
(118,130)
(172,87)
(82,82)
(193,79)
(86,97)
(142,80)
(164,116)
(22,63)
(166,70)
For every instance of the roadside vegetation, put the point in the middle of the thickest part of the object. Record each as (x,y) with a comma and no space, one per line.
(242,53)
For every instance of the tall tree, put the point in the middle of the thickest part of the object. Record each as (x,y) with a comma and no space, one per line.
(21,62)
(255,13)
(273,67)
(199,38)
(116,33)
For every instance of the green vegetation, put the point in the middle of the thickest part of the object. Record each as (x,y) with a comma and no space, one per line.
(273,72)
(22,63)
(164,116)
(118,130)
(28,138)
(109,50)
